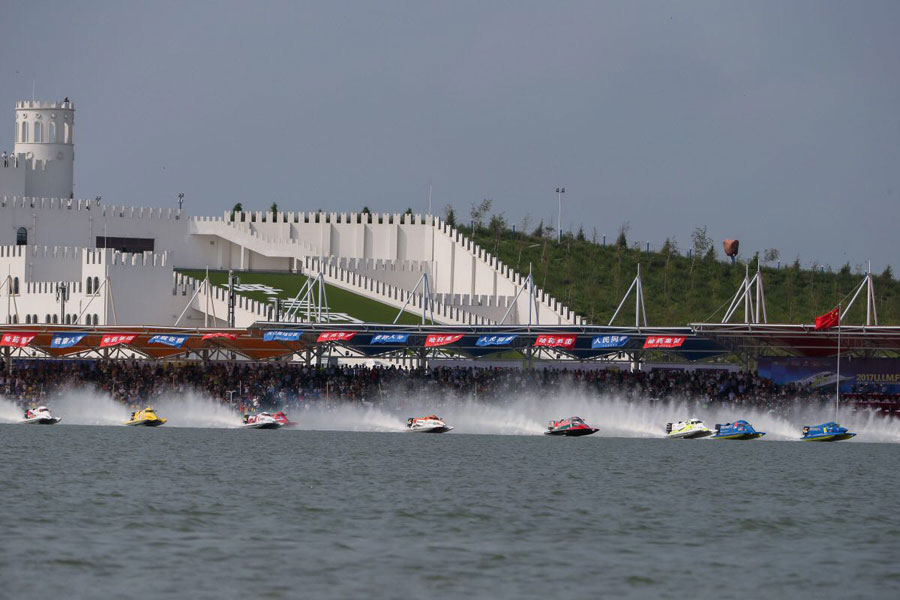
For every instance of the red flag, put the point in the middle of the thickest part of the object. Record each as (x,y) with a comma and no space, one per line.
(435,340)
(335,336)
(662,341)
(110,340)
(829,319)
(16,340)
(213,336)
(555,341)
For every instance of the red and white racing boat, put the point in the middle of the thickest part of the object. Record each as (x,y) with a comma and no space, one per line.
(40,416)
(283,419)
(262,420)
(429,424)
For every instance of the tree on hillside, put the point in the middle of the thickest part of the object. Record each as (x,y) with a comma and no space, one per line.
(771,255)
(701,244)
(365,210)
(497,226)
(408,211)
(274,210)
(236,209)
(539,230)
(580,235)
(887,276)
(480,211)
(450,215)
(622,239)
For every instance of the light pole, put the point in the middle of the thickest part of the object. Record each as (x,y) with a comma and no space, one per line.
(559,192)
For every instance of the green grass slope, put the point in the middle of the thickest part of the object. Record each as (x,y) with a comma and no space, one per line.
(591,279)
(339,300)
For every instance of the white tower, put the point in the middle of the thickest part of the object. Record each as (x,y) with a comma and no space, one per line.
(45,139)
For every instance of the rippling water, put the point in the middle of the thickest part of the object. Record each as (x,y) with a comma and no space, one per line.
(91,512)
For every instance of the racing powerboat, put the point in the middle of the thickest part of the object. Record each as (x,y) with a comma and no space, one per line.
(826,432)
(687,430)
(283,419)
(571,427)
(738,430)
(262,420)
(40,416)
(145,418)
(429,424)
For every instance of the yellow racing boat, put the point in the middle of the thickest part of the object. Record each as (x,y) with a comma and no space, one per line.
(146,418)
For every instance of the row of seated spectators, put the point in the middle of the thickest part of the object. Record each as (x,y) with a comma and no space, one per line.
(253,386)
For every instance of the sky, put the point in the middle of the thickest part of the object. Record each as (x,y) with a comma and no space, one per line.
(772,122)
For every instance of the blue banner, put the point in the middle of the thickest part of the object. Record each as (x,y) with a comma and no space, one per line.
(282,335)
(390,338)
(609,341)
(495,340)
(176,341)
(66,340)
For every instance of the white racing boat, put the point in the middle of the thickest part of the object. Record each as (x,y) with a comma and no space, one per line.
(40,416)
(429,424)
(687,430)
(261,421)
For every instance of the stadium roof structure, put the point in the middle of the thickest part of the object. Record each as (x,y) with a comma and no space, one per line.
(802,340)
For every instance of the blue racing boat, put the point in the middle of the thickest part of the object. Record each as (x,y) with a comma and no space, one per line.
(827,432)
(738,430)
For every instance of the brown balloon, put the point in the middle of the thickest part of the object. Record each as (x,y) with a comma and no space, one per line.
(731,247)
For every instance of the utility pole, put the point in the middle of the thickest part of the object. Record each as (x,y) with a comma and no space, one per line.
(559,192)
(231,281)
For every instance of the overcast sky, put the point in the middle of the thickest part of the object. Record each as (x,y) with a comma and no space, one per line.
(777,123)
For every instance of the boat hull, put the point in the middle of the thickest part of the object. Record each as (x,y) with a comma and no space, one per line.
(830,437)
(739,436)
(689,435)
(572,432)
(145,423)
(438,429)
(274,425)
(42,421)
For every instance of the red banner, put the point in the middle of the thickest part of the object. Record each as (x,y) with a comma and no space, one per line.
(442,339)
(335,336)
(555,341)
(830,319)
(114,340)
(213,336)
(663,342)
(17,340)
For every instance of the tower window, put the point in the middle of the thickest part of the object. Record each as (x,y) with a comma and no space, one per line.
(24,134)
(90,287)
(51,132)
(22,237)
(67,133)
(15,286)
(38,131)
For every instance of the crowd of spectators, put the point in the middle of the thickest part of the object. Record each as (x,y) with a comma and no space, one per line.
(255,386)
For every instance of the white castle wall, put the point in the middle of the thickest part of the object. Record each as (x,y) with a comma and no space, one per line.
(392,249)
(138,291)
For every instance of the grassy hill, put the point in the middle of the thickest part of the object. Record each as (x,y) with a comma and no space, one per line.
(592,279)
(288,284)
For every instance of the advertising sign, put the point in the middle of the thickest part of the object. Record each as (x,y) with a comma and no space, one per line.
(609,341)
(858,375)
(555,341)
(442,339)
(663,341)
(65,340)
(495,340)
(282,336)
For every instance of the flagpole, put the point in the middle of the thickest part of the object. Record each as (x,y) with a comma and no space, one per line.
(837,385)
